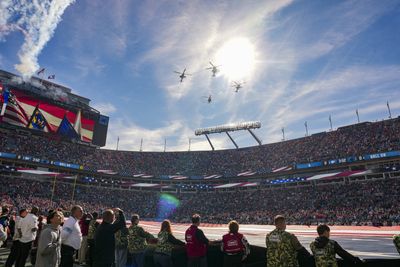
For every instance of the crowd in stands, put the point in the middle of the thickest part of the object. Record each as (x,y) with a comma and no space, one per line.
(353,140)
(357,203)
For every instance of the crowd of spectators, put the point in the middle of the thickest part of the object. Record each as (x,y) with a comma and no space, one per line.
(354,140)
(357,203)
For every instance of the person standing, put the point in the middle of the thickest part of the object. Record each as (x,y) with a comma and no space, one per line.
(121,246)
(49,244)
(90,237)
(235,246)
(196,244)
(15,248)
(325,249)
(137,241)
(71,237)
(3,235)
(396,241)
(28,227)
(104,248)
(84,225)
(166,242)
(282,246)
(4,222)
(36,241)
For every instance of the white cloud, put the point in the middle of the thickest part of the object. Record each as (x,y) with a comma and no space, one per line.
(87,65)
(338,93)
(37,21)
(346,21)
(191,38)
(105,108)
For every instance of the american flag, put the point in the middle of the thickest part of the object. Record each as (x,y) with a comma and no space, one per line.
(14,113)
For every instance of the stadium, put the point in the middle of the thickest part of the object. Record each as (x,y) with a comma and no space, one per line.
(195,133)
(347,178)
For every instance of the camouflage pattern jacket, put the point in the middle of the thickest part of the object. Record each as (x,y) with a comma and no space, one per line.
(92,229)
(121,238)
(163,245)
(324,256)
(396,241)
(137,239)
(282,249)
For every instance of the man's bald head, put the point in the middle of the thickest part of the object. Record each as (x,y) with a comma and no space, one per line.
(108,216)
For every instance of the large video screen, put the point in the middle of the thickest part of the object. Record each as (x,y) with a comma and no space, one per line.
(20,109)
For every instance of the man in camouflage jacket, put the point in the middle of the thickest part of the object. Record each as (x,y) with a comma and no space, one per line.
(396,241)
(282,246)
(325,249)
(137,241)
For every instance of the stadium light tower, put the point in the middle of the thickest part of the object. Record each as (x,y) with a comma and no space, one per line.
(230,128)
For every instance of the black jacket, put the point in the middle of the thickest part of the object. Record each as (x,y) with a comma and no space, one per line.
(104,240)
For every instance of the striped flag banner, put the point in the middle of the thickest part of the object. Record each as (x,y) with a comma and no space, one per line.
(286,168)
(214,176)
(107,172)
(248,173)
(178,177)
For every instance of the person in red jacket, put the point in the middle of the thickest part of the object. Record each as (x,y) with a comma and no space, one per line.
(196,244)
(235,246)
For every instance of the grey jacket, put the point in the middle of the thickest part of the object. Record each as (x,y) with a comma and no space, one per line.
(49,247)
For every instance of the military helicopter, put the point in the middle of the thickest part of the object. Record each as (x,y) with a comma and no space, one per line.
(238,85)
(182,75)
(214,69)
(209,98)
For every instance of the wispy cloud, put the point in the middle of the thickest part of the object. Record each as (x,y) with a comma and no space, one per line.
(338,93)
(344,22)
(105,108)
(37,21)
(191,38)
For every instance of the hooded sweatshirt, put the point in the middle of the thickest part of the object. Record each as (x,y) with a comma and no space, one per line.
(333,247)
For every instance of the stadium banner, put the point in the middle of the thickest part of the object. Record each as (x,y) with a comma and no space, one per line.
(45,161)
(29,158)
(7,155)
(195,177)
(382,155)
(341,160)
(309,165)
(66,165)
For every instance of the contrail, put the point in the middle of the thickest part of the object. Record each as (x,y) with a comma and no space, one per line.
(37,20)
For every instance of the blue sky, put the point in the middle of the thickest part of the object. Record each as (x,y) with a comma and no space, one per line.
(301,61)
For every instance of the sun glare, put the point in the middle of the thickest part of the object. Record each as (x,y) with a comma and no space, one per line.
(236,58)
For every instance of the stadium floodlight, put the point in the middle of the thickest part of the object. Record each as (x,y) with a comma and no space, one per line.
(230,128)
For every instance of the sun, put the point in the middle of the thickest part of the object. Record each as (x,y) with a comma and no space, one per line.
(237,58)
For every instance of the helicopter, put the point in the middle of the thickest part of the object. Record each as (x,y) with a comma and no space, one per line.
(209,98)
(182,74)
(214,69)
(237,85)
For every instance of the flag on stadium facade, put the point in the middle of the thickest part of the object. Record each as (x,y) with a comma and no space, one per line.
(38,121)
(21,107)
(53,76)
(77,124)
(3,100)
(41,71)
(14,113)
(67,129)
